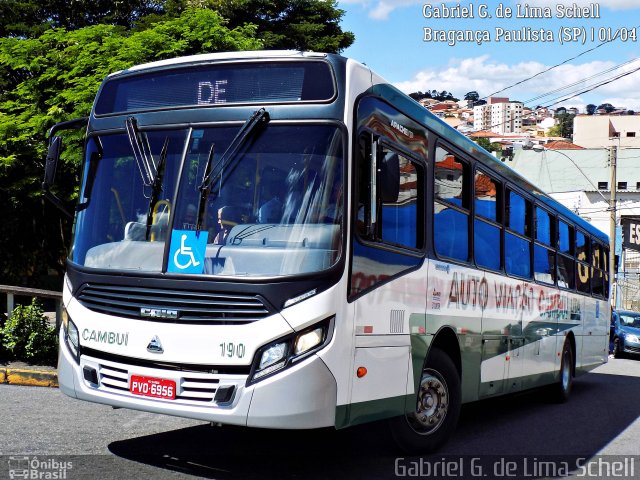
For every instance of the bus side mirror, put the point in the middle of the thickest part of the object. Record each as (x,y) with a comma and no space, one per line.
(53,156)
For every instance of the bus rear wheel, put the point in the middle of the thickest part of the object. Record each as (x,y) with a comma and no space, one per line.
(617,349)
(437,409)
(562,389)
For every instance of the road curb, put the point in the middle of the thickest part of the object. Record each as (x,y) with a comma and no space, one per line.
(30,377)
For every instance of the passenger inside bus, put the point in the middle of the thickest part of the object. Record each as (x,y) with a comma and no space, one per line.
(228,217)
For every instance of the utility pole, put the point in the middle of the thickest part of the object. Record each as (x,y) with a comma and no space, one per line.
(613,154)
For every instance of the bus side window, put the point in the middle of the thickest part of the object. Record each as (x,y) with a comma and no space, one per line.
(487,237)
(544,254)
(583,254)
(597,279)
(451,206)
(605,268)
(517,248)
(566,262)
(362,214)
(400,222)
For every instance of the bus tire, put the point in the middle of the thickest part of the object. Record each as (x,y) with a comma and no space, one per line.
(562,389)
(437,408)
(617,350)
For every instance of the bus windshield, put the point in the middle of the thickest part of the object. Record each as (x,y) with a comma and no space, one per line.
(275,208)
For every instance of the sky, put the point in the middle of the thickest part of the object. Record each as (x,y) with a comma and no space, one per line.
(482,48)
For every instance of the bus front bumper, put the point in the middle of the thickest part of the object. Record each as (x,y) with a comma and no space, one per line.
(300,397)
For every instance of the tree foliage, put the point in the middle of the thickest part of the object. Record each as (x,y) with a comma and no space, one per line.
(282,24)
(607,107)
(31,18)
(564,127)
(55,77)
(53,56)
(488,145)
(434,94)
(472,96)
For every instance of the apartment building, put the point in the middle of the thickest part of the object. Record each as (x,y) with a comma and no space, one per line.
(498,115)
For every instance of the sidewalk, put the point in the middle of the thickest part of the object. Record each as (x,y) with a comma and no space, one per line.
(21,373)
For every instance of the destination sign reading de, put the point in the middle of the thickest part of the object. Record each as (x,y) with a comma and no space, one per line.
(202,85)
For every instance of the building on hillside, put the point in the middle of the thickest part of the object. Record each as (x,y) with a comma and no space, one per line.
(498,115)
(598,131)
(580,180)
(562,145)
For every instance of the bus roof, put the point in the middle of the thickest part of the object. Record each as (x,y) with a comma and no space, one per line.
(223,56)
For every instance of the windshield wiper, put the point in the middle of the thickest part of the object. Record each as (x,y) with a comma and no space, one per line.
(204,194)
(141,151)
(259,119)
(157,184)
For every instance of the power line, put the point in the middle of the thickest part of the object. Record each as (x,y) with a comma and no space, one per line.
(592,87)
(581,81)
(549,69)
(618,77)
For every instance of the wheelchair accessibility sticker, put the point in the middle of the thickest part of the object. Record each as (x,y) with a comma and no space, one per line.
(187,251)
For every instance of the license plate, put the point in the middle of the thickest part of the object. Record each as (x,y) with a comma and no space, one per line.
(153,387)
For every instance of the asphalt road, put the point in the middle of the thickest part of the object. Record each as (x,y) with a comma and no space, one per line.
(601,418)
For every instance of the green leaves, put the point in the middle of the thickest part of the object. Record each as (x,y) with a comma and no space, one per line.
(285,24)
(27,335)
(60,71)
(55,54)
(55,77)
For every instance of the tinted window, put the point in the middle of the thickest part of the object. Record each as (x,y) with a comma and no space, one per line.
(565,238)
(543,226)
(517,256)
(566,272)
(518,210)
(583,268)
(598,263)
(487,245)
(451,233)
(450,175)
(451,209)
(486,193)
(597,256)
(400,217)
(582,247)
(544,264)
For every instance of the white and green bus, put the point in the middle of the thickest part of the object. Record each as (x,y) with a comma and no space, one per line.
(284,240)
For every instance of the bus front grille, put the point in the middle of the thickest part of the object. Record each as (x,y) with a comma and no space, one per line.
(191,388)
(175,306)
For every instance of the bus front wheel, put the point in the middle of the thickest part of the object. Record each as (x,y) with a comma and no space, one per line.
(437,407)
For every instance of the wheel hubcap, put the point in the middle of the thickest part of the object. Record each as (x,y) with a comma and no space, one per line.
(566,371)
(432,404)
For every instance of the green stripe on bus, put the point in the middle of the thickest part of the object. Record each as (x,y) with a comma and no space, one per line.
(372,410)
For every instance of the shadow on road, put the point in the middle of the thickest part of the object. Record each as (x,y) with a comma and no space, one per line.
(512,428)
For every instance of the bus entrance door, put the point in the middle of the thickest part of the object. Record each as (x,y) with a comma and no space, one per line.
(520,304)
(515,362)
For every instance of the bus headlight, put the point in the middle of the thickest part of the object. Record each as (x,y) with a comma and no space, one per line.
(309,340)
(273,355)
(287,351)
(71,335)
